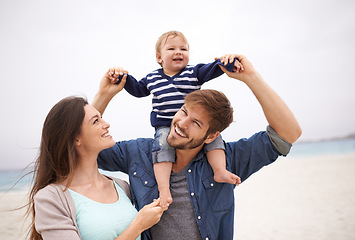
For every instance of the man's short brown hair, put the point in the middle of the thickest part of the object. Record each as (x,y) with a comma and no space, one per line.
(216,104)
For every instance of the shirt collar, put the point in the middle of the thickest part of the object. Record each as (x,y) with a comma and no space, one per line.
(200,156)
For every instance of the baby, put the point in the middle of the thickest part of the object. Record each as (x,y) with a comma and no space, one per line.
(169,85)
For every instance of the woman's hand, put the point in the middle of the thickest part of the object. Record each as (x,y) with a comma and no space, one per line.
(109,82)
(108,88)
(148,216)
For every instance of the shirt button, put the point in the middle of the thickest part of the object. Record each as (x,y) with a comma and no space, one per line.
(199,217)
(207,238)
(146,182)
(135,173)
(211,184)
(192,194)
(189,170)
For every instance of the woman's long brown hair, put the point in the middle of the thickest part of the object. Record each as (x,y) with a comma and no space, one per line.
(57,156)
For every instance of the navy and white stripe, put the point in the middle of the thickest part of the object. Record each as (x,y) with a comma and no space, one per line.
(169,92)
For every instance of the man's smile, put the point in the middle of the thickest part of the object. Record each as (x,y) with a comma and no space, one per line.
(180,132)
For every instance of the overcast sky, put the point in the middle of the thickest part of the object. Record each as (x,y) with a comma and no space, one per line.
(52,49)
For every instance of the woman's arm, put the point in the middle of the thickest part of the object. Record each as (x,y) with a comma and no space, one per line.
(148,216)
(108,88)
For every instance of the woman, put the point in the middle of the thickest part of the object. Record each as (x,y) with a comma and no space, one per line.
(70,199)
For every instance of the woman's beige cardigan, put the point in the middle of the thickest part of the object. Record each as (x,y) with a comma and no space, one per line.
(55,215)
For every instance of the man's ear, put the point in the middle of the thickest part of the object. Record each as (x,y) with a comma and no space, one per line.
(211,137)
(158,57)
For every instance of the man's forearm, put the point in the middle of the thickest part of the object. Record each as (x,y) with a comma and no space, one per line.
(277,113)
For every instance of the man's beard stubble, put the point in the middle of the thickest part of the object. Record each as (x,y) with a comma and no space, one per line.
(184,146)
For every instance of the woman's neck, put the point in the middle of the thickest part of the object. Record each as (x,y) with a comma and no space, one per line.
(84,175)
(86,172)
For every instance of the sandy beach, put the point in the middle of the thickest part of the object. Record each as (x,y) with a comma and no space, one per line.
(13,225)
(308,198)
(299,198)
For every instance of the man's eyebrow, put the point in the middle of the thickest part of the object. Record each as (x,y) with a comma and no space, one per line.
(199,122)
(194,119)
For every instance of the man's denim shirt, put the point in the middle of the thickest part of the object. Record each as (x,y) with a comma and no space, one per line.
(213,202)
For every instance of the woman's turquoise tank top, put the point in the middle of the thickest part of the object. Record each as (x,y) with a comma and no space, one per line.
(103,221)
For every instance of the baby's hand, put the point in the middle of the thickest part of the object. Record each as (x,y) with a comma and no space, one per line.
(115,74)
(229,58)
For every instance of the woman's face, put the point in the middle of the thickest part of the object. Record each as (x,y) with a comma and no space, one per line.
(94,135)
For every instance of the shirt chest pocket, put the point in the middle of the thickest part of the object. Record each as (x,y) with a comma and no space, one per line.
(219,195)
(142,182)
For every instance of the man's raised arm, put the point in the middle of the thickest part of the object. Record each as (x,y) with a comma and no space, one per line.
(277,113)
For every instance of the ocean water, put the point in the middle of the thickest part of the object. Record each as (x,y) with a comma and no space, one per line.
(323,148)
(15,180)
(10,179)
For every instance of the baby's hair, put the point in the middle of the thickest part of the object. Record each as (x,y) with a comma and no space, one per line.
(165,36)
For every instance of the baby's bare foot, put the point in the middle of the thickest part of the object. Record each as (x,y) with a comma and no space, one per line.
(225,176)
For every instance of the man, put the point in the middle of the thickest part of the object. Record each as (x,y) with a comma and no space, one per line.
(202,208)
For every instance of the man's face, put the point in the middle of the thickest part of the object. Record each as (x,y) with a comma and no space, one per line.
(189,127)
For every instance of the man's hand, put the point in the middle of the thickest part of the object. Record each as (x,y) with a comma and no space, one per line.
(229,58)
(248,73)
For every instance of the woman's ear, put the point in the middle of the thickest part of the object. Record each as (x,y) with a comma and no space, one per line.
(77,142)
(211,137)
